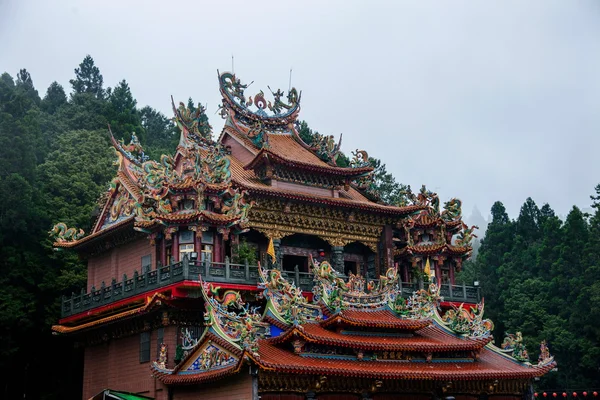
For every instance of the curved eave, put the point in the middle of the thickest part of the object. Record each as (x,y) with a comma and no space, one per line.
(489,366)
(156,300)
(429,339)
(380,208)
(79,244)
(191,378)
(433,249)
(350,173)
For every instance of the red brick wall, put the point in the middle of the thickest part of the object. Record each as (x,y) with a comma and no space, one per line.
(236,387)
(116,365)
(118,261)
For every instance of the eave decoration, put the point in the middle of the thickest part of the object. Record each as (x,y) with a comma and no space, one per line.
(468,322)
(286,306)
(252,112)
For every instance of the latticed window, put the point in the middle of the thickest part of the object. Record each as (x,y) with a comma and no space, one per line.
(145,347)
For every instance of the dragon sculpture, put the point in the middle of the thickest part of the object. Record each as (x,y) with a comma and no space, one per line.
(471,323)
(422,303)
(286,298)
(193,122)
(452,210)
(61,233)
(360,158)
(325,148)
(514,344)
(466,235)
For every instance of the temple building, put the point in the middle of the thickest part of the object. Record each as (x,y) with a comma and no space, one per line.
(255,265)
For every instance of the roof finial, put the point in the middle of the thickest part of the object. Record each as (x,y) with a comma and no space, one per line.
(232,66)
(290,84)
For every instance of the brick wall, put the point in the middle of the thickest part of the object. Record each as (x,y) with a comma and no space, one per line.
(116,365)
(236,387)
(118,261)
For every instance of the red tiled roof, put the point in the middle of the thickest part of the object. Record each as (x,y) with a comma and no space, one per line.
(489,366)
(197,377)
(351,198)
(428,339)
(375,319)
(433,248)
(327,169)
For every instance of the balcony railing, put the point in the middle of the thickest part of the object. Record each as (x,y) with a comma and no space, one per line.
(216,272)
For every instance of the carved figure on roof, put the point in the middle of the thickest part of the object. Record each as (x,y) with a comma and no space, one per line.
(545,356)
(328,287)
(216,166)
(430,199)
(514,344)
(452,210)
(123,206)
(325,147)
(407,197)
(463,321)
(234,87)
(162,356)
(286,298)
(193,123)
(60,233)
(360,158)
(422,304)
(466,236)
(258,135)
(356,284)
(230,298)
(279,105)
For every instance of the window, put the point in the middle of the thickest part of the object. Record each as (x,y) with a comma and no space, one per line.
(185,249)
(146,263)
(144,347)
(186,237)
(208,237)
(160,339)
(207,254)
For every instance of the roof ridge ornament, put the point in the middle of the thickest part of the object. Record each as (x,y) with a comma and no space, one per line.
(249,110)
(469,321)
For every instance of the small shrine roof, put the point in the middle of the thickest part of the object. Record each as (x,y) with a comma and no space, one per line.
(432,338)
(490,365)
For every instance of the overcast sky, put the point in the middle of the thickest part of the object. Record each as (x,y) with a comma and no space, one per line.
(479,100)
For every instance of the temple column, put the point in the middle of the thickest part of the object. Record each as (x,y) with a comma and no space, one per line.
(388,248)
(337,258)
(451,273)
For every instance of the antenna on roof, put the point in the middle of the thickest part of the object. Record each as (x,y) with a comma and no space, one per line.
(290,84)
(232,66)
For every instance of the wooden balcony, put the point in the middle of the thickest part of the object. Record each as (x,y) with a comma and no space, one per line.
(225,273)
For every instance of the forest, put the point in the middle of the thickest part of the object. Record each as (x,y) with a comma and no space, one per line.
(539,275)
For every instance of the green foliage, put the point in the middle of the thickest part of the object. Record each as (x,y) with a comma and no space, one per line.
(541,276)
(245,253)
(88,79)
(122,114)
(55,161)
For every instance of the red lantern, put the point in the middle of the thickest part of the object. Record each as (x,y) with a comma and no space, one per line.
(322,254)
(544,394)
(554,394)
(574,394)
(564,394)
(584,394)
(535,394)
(595,394)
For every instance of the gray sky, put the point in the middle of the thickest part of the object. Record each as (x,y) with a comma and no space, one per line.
(479,100)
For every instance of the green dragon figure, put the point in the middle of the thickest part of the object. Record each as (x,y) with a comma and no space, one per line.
(61,233)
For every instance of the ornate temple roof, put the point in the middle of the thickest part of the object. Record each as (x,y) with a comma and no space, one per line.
(388,337)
